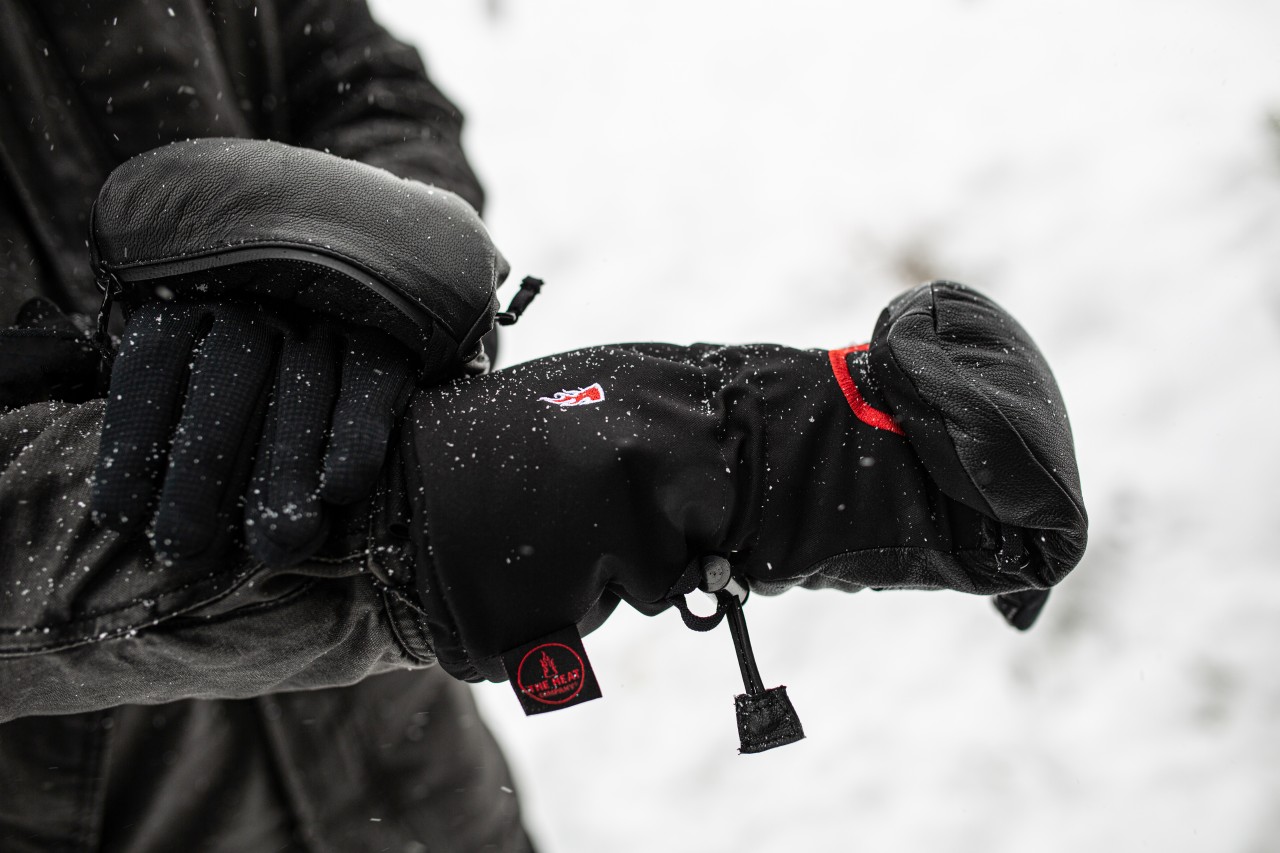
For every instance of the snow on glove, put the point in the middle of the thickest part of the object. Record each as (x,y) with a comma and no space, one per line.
(545,493)
(199,382)
(211,244)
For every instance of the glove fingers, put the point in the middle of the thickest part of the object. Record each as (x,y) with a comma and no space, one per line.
(284,521)
(982,409)
(216,434)
(143,404)
(377,376)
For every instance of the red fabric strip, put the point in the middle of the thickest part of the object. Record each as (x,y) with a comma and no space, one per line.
(862,410)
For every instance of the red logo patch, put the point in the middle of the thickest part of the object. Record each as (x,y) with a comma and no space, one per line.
(551,673)
(576,397)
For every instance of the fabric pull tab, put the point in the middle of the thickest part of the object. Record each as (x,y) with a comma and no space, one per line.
(766,718)
(529,288)
(552,672)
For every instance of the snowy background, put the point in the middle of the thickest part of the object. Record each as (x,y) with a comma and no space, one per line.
(741,171)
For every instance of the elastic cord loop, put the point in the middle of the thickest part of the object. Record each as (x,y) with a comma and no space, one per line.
(693,620)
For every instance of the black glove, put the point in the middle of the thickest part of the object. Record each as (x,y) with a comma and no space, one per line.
(283,318)
(939,458)
(193,388)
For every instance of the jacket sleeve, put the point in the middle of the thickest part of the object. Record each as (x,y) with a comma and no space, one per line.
(357,92)
(88,620)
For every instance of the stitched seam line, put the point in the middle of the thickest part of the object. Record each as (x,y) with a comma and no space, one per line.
(395,599)
(214,251)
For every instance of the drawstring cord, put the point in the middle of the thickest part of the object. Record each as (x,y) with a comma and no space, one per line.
(766,717)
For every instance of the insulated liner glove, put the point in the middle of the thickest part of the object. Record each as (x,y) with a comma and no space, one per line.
(199,382)
(280,302)
(939,457)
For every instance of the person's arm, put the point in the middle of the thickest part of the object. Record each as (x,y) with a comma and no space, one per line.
(938,456)
(89,620)
(88,617)
(355,91)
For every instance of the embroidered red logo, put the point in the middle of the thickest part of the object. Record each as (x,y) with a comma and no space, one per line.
(551,673)
(576,397)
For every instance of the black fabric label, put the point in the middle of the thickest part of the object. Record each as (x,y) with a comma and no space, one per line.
(552,672)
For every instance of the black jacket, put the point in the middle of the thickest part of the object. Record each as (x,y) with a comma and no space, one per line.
(397,761)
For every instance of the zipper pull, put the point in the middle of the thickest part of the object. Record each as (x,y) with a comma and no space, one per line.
(766,717)
(111,290)
(529,288)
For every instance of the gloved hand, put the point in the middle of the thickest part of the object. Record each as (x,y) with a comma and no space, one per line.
(939,457)
(202,392)
(281,318)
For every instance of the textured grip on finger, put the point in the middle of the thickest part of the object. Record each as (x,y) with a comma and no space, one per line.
(147,386)
(376,381)
(284,516)
(216,435)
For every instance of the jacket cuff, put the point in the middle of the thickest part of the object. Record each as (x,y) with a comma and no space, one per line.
(392,562)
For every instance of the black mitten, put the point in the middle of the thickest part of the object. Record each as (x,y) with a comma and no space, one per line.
(193,388)
(545,493)
(251,218)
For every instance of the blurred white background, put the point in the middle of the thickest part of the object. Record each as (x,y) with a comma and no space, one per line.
(741,171)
